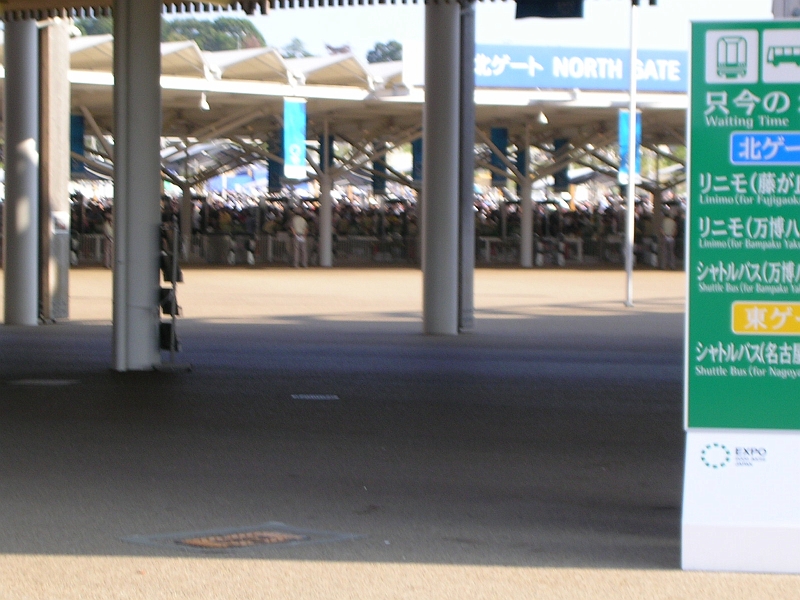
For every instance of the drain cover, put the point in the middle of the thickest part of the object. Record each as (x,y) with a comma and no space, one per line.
(315,397)
(45,382)
(242,540)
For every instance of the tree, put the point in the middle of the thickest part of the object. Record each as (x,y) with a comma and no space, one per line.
(295,49)
(225,33)
(99,26)
(385,52)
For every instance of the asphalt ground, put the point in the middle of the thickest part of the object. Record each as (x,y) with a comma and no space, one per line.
(540,456)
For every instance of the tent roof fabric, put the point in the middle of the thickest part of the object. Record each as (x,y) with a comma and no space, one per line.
(92,52)
(335,69)
(253,64)
(213,95)
(185,59)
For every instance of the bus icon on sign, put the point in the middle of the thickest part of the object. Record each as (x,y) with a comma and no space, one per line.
(777,55)
(732,57)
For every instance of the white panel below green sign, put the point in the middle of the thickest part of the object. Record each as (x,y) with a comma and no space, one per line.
(741,504)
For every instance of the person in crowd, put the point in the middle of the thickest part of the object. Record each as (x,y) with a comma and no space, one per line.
(299,228)
(108,240)
(669,230)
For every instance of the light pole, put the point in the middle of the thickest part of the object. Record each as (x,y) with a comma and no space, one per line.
(633,151)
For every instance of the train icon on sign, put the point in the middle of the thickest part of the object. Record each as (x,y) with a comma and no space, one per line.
(732,57)
(777,55)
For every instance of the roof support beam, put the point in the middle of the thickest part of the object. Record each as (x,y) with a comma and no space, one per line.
(228,124)
(99,134)
(373,157)
(500,154)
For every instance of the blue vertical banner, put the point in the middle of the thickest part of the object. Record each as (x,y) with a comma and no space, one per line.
(521,162)
(499,137)
(294,138)
(379,169)
(560,178)
(416,160)
(76,134)
(624,142)
(331,150)
(275,168)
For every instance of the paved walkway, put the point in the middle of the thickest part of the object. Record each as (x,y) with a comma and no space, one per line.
(538,457)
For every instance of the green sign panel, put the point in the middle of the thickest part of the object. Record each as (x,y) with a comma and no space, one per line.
(743,346)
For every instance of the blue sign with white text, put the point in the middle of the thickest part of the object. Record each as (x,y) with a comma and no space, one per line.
(624,146)
(581,68)
(294,138)
(756,148)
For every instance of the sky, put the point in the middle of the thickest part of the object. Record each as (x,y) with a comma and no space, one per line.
(606,24)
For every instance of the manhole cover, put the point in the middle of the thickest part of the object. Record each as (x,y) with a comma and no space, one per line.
(241,540)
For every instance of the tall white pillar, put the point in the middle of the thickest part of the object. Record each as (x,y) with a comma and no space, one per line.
(441,168)
(466,271)
(137,183)
(54,206)
(21,221)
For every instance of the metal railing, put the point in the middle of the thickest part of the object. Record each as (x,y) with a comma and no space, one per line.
(276,249)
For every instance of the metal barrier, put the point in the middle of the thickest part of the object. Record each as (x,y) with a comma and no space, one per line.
(355,248)
(276,248)
(87,249)
(496,250)
(243,249)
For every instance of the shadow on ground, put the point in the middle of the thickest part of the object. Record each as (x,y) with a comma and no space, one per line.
(557,444)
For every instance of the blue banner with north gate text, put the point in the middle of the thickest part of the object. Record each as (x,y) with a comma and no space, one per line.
(582,68)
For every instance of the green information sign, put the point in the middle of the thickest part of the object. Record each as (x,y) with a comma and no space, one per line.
(743,267)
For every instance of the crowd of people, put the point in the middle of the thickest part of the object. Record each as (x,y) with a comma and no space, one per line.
(394,220)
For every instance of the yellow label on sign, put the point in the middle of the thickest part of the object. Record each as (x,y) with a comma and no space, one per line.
(766,318)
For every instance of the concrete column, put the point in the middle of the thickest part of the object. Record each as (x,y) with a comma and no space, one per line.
(441,168)
(325,221)
(526,203)
(21,222)
(187,210)
(137,183)
(55,170)
(325,203)
(526,242)
(466,270)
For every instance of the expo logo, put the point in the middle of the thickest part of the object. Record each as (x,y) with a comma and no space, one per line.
(719,456)
(751,452)
(747,457)
(715,456)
